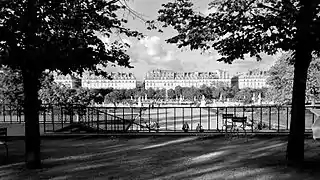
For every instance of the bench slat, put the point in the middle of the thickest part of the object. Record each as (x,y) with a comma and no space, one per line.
(227,116)
(239,119)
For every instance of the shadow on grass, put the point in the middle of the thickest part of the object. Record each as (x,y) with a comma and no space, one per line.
(164,158)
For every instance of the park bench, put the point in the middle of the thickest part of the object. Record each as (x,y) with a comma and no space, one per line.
(235,126)
(227,122)
(3,141)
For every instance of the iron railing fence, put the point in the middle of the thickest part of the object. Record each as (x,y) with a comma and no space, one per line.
(157,119)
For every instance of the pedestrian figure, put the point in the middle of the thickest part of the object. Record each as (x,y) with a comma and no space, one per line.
(185,127)
(199,128)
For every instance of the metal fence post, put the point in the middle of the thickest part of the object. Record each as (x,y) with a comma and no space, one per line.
(278,118)
(124,121)
(209,119)
(191,117)
(217,128)
(261,116)
(4,112)
(287,117)
(269,117)
(174,119)
(158,116)
(98,123)
(252,119)
(10,113)
(44,119)
(166,118)
(200,115)
(182,115)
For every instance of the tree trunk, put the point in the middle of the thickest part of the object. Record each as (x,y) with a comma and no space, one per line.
(31,109)
(295,148)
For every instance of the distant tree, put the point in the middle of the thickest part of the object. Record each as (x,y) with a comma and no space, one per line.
(129,93)
(102,91)
(237,28)
(11,89)
(232,91)
(191,92)
(139,92)
(215,93)
(206,91)
(281,80)
(221,90)
(172,94)
(83,96)
(150,93)
(113,97)
(178,91)
(160,94)
(57,35)
(244,95)
(58,94)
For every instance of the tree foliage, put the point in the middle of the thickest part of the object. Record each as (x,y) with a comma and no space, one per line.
(66,35)
(281,80)
(234,28)
(11,90)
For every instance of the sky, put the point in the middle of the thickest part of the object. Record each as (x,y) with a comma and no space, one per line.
(153,52)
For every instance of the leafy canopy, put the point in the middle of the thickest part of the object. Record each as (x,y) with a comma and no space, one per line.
(237,27)
(66,35)
(11,90)
(281,80)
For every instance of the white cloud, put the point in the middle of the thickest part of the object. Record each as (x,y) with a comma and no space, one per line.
(127,41)
(169,56)
(208,11)
(153,46)
(151,52)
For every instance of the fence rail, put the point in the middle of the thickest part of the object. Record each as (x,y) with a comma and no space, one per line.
(158,119)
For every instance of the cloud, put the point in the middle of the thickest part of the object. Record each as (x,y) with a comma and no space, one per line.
(195,62)
(208,11)
(127,41)
(153,46)
(151,54)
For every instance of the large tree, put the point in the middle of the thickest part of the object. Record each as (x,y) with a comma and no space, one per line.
(62,35)
(239,27)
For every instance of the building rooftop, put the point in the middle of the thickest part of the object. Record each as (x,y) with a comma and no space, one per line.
(112,75)
(254,74)
(171,75)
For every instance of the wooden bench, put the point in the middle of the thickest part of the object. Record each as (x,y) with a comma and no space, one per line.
(3,141)
(225,123)
(243,121)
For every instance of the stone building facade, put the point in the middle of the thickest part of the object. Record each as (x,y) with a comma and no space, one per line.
(117,80)
(167,79)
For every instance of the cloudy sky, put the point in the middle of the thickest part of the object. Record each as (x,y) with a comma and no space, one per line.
(152,52)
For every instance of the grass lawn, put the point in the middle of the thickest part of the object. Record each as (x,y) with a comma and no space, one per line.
(162,157)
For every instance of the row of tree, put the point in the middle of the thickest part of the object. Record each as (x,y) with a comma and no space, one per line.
(280,83)
(52,93)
